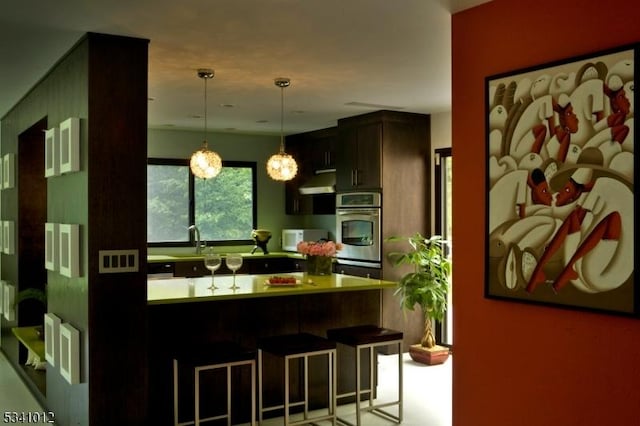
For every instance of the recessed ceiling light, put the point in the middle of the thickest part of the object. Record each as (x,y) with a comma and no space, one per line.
(227,105)
(262,121)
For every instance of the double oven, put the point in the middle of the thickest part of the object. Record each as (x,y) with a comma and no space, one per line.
(358,227)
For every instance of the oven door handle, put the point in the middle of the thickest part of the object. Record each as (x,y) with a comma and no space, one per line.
(359,212)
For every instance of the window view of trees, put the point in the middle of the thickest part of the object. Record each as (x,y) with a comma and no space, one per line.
(224,205)
(222,208)
(167,203)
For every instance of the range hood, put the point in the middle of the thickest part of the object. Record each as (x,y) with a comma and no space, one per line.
(322,182)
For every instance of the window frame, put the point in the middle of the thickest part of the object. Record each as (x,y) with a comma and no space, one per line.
(444,329)
(192,202)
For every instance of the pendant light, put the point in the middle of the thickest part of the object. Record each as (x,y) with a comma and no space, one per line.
(282,166)
(205,164)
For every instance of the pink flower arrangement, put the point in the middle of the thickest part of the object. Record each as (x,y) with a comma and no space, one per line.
(319,248)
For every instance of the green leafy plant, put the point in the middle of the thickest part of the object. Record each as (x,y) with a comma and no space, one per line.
(428,284)
(32,294)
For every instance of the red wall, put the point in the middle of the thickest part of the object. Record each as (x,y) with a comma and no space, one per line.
(520,364)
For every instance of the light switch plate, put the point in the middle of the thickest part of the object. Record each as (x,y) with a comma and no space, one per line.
(118,261)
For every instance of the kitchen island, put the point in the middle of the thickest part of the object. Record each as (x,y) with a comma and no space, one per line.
(184,313)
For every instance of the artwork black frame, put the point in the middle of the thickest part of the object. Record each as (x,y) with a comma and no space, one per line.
(560,183)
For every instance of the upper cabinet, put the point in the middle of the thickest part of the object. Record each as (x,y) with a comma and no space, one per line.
(359,156)
(313,151)
(374,150)
(322,148)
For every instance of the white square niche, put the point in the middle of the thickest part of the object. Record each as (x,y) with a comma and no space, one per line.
(70,145)
(52,152)
(52,338)
(70,353)
(8,171)
(8,301)
(8,237)
(1,296)
(51,246)
(69,250)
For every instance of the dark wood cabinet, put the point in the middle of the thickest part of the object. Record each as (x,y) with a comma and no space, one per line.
(296,203)
(322,148)
(314,151)
(253,265)
(270,265)
(359,158)
(358,271)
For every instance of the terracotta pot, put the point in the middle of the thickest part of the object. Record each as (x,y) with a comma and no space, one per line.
(433,356)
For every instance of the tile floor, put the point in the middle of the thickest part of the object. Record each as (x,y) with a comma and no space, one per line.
(14,395)
(427,393)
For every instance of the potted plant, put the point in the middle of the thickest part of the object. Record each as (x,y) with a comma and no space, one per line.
(425,286)
(38,298)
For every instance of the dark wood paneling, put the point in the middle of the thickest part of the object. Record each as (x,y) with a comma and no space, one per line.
(117,131)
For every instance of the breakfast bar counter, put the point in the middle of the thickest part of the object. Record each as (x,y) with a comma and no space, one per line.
(186,290)
(185,315)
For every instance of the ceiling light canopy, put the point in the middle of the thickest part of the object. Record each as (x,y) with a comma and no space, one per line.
(282,166)
(205,164)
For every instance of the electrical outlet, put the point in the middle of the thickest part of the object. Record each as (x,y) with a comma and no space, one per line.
(118,261)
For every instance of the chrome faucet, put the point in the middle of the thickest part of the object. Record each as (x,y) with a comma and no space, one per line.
(196,232)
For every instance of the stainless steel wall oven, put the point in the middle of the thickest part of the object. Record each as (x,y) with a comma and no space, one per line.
(358,228)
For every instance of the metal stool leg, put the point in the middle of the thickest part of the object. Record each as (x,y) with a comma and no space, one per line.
(175,392)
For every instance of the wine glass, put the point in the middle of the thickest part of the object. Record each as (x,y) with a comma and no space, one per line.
(212,261)
(234,262)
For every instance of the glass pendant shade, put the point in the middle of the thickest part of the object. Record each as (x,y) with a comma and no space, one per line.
(205,164)
(282,166)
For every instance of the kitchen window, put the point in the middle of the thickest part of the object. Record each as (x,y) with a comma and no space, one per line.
(223,208)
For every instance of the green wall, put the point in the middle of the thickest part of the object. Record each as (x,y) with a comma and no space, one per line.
(240,147)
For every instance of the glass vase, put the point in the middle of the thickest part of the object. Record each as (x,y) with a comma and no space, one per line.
(319,265)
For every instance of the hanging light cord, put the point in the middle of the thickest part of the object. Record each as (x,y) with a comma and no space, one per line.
(205,109)
(281,119)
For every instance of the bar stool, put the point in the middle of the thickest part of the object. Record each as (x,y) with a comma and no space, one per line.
(299,346)
(370,337)
(214,356)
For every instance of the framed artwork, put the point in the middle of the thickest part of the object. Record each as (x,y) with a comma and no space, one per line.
(69,250)
(560,184)
(8,301)
(70,353)
(52,152)
(51,246)
(1,296)
(52,338)
(8,171)
(8,237)
(70,145)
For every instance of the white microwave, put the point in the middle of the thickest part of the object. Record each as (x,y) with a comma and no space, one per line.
(291,237)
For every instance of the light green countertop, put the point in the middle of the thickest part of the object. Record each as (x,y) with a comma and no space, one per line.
(185,290)
(185,257)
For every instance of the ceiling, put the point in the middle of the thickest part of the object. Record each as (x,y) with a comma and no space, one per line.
(344,57)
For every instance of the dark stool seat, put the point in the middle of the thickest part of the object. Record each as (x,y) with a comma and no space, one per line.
(369,337)
(213,356)
(299,346)
(363,334)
